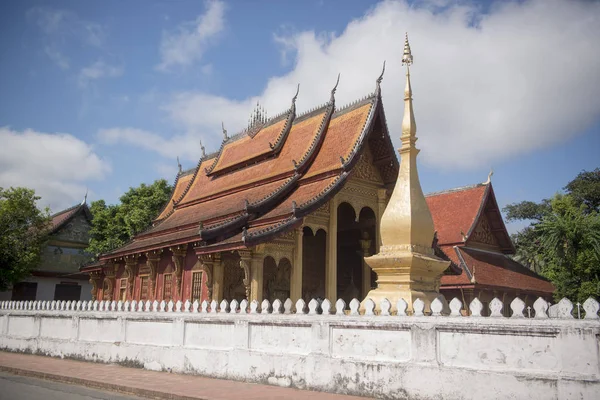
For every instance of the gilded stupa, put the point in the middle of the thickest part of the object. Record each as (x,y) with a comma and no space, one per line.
(406,265)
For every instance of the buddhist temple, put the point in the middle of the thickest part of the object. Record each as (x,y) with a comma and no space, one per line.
(57,277)
(290,208)
(470,232)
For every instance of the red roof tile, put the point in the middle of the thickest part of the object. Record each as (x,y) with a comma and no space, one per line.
(454,211)
(61,217)
(249,147)
(180,186)
(495,270)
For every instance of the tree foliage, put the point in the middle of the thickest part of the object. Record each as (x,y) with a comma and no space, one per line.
(113,225)
(563,240)
(23,233)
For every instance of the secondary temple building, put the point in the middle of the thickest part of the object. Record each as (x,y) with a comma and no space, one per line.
(291,207)
(57,277)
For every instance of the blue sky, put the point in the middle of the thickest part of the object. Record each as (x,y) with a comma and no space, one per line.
(105,95)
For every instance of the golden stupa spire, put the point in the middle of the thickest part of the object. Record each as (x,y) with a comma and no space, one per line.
(406,265)
(407,220)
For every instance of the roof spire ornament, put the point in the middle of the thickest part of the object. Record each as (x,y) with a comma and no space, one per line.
(489,178)
(225,137)
(85,197)
(381,76)
(407,58)
(203,149)
(296,95)
(332,98)
(179,165)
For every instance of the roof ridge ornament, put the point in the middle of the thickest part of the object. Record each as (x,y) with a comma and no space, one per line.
(179,166)
(381,75)
(225,137)
(332,98)
(489,178)
(85,197)
(203,149)
(296,95)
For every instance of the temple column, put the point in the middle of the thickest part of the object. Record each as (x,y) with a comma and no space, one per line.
(96,278)
(152,259)
(110,280)
(218,277)
(178,258)
(131,268)
(256,277)
(381,203)
(331,262)
(245,264)
(207,266)
(365,244)
(296,278)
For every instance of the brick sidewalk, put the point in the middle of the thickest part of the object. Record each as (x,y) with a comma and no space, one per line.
(143,383)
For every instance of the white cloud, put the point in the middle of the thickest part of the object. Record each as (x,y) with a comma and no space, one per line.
(189,42)
(63,28)
(57,165)
(98,70)
(522,77)
(57,57)
(184,146)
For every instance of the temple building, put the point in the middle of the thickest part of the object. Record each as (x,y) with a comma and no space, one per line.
(58,277)
(290,208)
(470,232)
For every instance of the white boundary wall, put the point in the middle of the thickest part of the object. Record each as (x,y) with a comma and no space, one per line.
(399,356)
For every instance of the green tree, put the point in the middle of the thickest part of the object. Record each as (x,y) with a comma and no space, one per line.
(562,241)
(113,225)
(585,189)
(570,243)
(23,233)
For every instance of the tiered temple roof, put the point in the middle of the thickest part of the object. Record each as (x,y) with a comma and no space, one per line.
(262,181)
(471,232)
(61,218)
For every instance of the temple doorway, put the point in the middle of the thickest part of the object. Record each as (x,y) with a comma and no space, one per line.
(233,278)
(368,227)
(313,263)
(349,254)
(276,279)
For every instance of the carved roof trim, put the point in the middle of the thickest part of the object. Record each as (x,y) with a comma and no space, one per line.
(220,228)
(61,218)
(274,196)
(502,235)
(290,114)
(317,140)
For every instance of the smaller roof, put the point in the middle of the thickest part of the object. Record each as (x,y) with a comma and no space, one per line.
(455,211)
(490,269)
(62,217)
(458,212)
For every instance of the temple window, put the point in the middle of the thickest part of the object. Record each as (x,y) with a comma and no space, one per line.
(123,289)
(196,286)
(144,282)
(167,287)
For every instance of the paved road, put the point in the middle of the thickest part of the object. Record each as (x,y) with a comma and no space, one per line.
(13,387)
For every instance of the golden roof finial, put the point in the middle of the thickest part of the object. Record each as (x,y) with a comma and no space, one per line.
(407,58)
(409,126)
